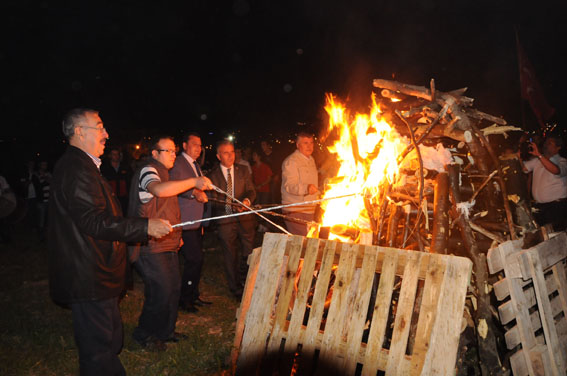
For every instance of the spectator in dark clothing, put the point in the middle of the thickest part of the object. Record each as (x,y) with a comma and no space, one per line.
(41,181)
(28,190)
(275,162)
(262,177)
(118,175)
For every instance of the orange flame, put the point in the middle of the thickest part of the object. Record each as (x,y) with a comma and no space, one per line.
(366,149)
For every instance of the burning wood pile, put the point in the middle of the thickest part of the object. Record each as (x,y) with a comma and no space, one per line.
(428,180)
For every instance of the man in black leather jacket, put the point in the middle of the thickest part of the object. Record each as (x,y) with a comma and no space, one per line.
(87,253)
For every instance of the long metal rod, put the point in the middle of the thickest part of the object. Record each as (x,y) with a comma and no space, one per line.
(249,208)
(257,206)
(264,210)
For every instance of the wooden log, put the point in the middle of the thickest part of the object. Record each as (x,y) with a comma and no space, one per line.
(486,343)
(392,95)
(422,92)
(484,116)
(416,91)
(440,234)
(393,225)
(500,180)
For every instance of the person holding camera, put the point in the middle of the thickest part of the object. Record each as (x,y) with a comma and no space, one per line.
(549,184)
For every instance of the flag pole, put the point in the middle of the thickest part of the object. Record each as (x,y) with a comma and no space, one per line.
(522,101)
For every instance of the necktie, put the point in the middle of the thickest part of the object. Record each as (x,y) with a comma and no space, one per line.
(228,206)
(197,168)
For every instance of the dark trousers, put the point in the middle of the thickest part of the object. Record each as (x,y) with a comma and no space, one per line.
(237,238)
(160,273)
(554,212)
(192,251)
(98,335)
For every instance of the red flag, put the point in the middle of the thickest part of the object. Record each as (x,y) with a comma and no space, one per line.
(531,89)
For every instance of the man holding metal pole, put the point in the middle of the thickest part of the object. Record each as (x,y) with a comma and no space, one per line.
(299,184)
(87,253)
(235,233)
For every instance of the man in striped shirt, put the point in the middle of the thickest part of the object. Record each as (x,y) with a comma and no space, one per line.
(153,194)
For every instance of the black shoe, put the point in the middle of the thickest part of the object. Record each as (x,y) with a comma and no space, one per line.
(176,337)
(152,344)
(188,307)
(156,345)
(200,302)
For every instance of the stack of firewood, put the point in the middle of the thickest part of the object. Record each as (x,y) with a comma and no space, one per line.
(476,201)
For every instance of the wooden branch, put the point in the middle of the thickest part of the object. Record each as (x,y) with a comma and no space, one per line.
(423,92)
(432,87)
(383,206)
(413,199)
(503,189)
(416,91)
(420,160)
(484,116)
(409,148)
(486,233)
(483,185)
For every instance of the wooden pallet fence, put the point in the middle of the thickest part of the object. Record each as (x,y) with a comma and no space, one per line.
(309,308)
(533,292)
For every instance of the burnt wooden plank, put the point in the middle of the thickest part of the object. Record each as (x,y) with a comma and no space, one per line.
(318,306)
(501,287)
(253,264)
(360,310)
(512,335)
(533,260)
(551,251)
(403,313)
(520,305)
(336,317)
(258,323)
(446,332)
(294,333)
(293,251)
(380,312)
(427,311)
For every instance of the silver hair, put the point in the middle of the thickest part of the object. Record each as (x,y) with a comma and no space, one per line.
(73,118)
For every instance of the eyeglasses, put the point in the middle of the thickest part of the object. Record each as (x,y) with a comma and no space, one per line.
(170,151)
(103,129)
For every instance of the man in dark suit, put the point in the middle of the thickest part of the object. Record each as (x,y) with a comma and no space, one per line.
(191,204)
(235,180)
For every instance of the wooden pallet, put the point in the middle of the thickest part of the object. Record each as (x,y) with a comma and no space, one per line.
(533,292)
(288,323)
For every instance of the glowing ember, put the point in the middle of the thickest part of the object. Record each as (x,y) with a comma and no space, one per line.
(367,148)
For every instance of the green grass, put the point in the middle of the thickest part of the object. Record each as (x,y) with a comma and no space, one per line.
(36,336)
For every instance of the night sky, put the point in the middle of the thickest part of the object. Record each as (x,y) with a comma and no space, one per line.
(258,67)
